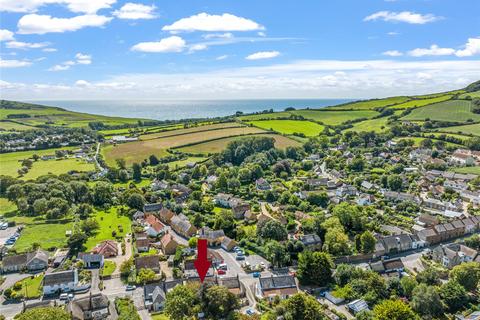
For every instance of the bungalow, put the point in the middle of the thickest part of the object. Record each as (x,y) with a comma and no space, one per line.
(58,282)
(282,286)
(154,226)
(168,244)
(152,207)
(154,294)
(30,261)
(142,244)
(453,254)
(165,215)
(93,307)
(91,260)
(228,244)
(107,248)
(148,262)
(214,237)
(182,226)
(262,184)
(311,242)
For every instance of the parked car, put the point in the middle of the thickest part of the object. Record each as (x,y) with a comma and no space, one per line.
(256,274)
(221,272)
(250,312)
(222,266)
(64,297)
(130,287)
(240,257)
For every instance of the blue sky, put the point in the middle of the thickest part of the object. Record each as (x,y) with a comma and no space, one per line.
(192,49)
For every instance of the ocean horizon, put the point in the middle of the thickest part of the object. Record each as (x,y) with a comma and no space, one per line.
(184,109)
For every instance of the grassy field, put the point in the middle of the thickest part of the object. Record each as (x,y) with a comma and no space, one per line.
(108,268)
(137,151)
(376,125)
(472,170)
(418,140)
(6,206)
(182,163)
(217,146)
(266,116)
(370,104)
(474,94)
(454,110)
(109,221)
(13,126)
(31,287)
(47,234)
(140,184)
(308,128)
(58,167)
(334,118)
(467,129)
(200,128)
(453,135)
(421,102)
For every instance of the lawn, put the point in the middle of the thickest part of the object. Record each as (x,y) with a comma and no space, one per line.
(47,233)
(108,268)
(266,116)
(139,150)
(30,287)
(370,104)
(334,118)
(418,140)
(140,184)
(454,110)
(466,129)
(216,146)
(109,222)
(6,206)
(472,170)
(310,129)
(160,316)
(421,102)
(377,125)
(182,163)
(58,167)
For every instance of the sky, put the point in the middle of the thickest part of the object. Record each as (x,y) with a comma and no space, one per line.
(243,49)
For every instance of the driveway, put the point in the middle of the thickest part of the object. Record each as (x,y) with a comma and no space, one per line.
(121,258)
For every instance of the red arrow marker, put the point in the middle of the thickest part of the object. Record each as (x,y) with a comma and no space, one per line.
(202,264)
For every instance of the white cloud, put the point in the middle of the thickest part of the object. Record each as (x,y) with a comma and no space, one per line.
(26,45)
(434,50)
(198,47)
(49,50)
(226,35)
(261,34)
(41,24)
(135,11)
(223,57)
(404,16)
(211,23)
(263,55)
(472,47)
(14,63)
(170,44)
(393,33)
(59,67)
(83,58)
(392,53)
(6,35)
(30,6)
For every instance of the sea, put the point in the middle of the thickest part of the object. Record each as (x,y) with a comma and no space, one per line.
(184,109)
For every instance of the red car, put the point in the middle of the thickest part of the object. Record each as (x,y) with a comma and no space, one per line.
(220,272)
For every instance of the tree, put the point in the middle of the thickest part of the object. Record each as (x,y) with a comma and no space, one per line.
(180,303)
(454,295)
(426,301)
(89,226)
(336,242)
(126,267)
(44,313)
(408,284)
(393,310)
(218,302)
(153,160)
(300,307)
(394,182)
(76,241)
(102,193)
(135,201)
(276,253)
(428,276)
(318,199)
(367,241)
(145,275)
(121,164)
(137,172)
(40,206)
(272,230)
(467,275)
(315,268)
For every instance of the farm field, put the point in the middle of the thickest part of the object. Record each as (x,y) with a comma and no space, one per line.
(13,126)
(453,135)
(137,151)
(109,221)
(170,133)
(308,128)
(421,102)
(266,116)
(217,146)
(376,125)
(182,163)
(433,95)
(472,170)
(466,129)
(48,234)
(334,118)
(418,140)
(370,104)
(455,110)
(58,167)
(474,94)
(11,162)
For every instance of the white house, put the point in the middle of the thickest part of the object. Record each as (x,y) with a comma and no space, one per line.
(57,282)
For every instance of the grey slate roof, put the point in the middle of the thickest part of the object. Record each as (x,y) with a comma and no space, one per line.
(56,278)
(277,282)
